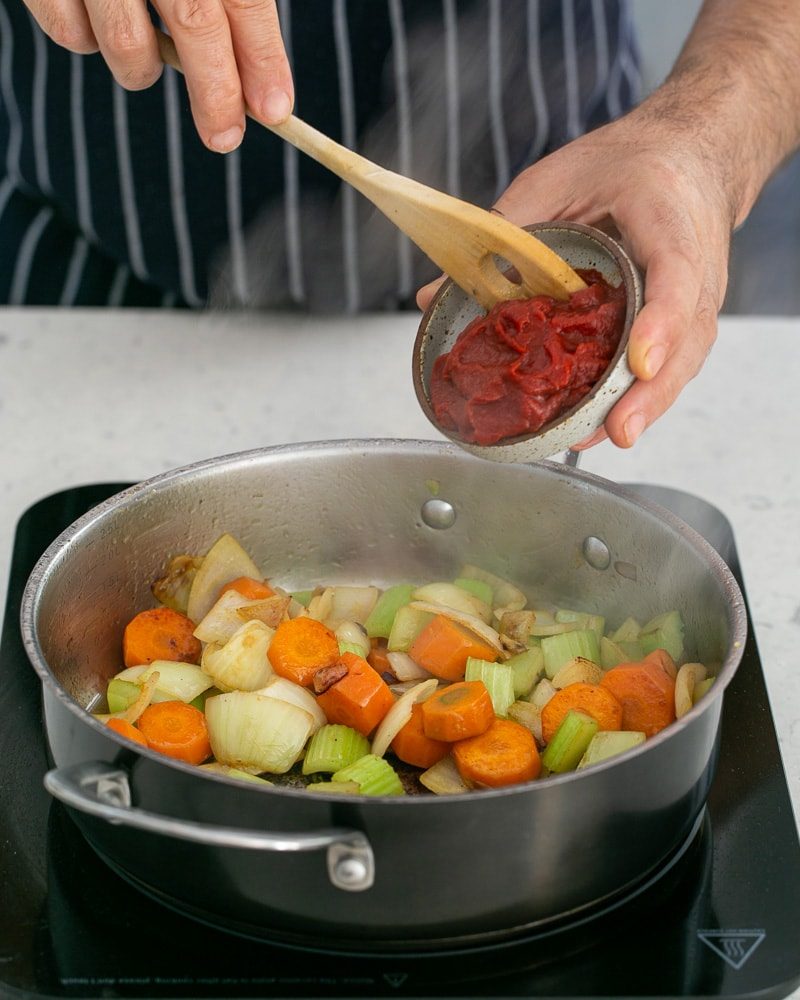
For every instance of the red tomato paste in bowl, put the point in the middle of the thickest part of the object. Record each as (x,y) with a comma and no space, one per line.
(527,362)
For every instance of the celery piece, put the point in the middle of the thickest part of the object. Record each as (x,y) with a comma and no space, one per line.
(333,747)
(351,647)
(477,588)
(664,632)
(302,596)
(335,787)
(527,668)
(609,744)
(380,620)
(612,654)
(498,678)
(373,775)
(233,772)
(632,649)
(560,649)
(407,625)
(701,689)
(627,632)
(121,695)
(569,744)
(583,619)
(200,700)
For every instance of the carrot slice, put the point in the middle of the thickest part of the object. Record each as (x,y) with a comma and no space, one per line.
(160,634)
(414,747)
(594,700)
(360,699)
(505,754)
(646,692)
(253,590)
(176,729)
(457,711)
(127,729)
(301,647)
(443,648)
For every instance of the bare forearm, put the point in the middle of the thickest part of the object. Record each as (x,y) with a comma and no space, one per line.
(735,90)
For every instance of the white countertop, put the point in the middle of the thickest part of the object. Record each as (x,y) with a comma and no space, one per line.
(92,395)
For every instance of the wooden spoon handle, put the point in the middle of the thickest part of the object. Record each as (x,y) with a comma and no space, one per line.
(463,240)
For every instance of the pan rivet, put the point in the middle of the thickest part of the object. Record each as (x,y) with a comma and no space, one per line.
(596,552)
(351,871)
(438,513)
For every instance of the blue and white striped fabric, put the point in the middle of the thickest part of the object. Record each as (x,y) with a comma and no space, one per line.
(108,197)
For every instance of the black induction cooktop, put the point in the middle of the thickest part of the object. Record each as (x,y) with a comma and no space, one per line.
(722,918)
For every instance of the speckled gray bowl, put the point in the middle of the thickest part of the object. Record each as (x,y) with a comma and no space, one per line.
(452,309)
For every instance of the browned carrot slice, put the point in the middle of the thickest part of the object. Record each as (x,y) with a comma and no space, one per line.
(594,700)
(126,729)
(457,711)
(159,634)
(414,747)
(443,648)
(177,730)
(360,699)
(505,754)
(253,590)
(301,647)
(646,692)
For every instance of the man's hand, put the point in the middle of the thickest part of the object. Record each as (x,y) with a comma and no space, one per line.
(231,51)
(643,185)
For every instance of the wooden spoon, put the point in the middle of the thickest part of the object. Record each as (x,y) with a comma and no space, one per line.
(462,239)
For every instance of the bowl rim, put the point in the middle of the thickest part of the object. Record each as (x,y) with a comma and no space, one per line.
(633,297)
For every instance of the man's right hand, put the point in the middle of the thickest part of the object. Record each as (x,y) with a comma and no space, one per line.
(231,51)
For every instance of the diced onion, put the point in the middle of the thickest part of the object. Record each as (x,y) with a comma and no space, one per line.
(350,632)
(506,595)
(528,715)
(542,693)
(399,714)
(352,604)
(286,690)
(226,560)
(319,607)
(255,733)
(174,587)
(176,681)
(517,625)
(269,610)
(689,675)
(470,622)
(443,778)
(232,772)
(241,664)
(222,619)
(451,596)
(406,669)
(578,670)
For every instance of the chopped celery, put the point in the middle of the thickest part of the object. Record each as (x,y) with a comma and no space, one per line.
(527,668)
(380,620)
(609,744)
(333,747)
(560,649)
(663,632)
(373,775)
(335,787)
(302,596)
(477,588)
(583,619)
(569,744)
(351,647)
(200,700)
(233,772)
(612,654)
(632,649)
(498,678)
(407,625)
(121,694)
(701,689)
(627,632)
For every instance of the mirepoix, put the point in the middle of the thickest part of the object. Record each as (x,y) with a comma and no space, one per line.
(442,687)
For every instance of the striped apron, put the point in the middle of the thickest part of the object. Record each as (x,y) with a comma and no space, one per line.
(109,198)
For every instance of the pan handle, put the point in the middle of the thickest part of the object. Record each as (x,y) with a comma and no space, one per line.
(102,790)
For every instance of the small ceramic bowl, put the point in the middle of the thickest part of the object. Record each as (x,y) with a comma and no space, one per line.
(451,310)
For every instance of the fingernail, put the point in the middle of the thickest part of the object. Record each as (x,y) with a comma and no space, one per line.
(634,426)
(225,141)
(589,442)
(276,106)
(654,359)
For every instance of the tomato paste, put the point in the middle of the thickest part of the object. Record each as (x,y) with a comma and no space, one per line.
(527,361)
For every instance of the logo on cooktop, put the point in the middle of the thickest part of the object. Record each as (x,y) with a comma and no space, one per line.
(395,979)
(735,946)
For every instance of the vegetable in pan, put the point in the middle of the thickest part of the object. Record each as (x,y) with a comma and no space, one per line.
(442,687)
